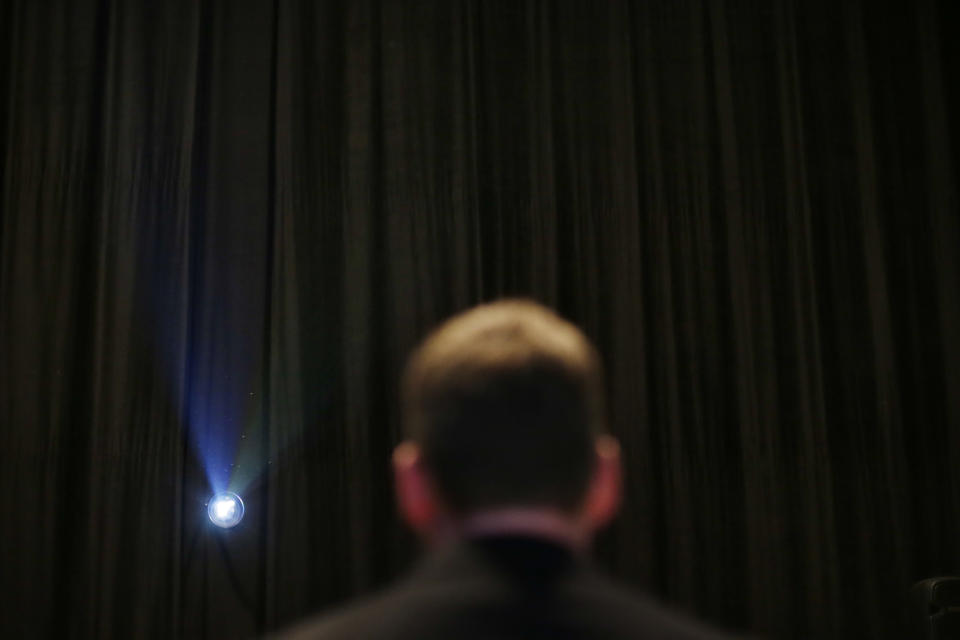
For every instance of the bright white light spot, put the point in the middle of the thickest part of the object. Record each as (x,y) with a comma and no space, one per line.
(225,509)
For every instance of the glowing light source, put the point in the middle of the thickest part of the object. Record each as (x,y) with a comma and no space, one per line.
(225,509)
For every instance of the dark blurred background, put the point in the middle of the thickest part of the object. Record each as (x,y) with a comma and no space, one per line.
(225,224)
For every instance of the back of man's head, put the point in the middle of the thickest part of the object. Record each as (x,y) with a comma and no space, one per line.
(505,402)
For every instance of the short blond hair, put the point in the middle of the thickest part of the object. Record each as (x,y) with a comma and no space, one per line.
(505,400)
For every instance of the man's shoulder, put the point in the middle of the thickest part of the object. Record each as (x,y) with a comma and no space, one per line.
(506,588)
(407,609)
(628,610)
(595,608)
(349,622)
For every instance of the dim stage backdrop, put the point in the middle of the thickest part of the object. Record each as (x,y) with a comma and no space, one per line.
(225,224)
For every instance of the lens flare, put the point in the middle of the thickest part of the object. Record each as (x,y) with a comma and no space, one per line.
(225,509)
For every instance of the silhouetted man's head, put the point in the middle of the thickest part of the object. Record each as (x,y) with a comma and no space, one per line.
(503,405)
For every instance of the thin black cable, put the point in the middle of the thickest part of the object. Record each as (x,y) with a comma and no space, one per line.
(245,599)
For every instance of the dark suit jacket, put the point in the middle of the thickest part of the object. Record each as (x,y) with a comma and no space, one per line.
(504,587)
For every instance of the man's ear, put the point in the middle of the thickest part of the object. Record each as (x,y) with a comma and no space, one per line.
(416,497)
(605,493)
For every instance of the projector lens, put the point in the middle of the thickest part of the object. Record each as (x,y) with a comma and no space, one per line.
(225,509)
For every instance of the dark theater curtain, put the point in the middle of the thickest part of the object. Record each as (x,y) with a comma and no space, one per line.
(225,224)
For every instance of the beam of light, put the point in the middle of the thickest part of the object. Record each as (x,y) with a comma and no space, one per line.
(295,419)
(207,340)
(238,417)
(225,510)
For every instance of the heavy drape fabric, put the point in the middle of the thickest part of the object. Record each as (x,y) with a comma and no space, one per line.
(226,223)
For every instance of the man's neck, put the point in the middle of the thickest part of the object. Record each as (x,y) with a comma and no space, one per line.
(548,524)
